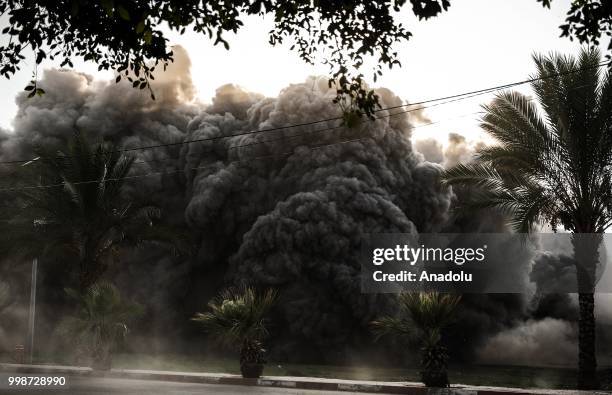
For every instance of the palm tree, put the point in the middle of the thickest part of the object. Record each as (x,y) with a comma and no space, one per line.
(81,212)
(423,316)
(101,321)
(553,166)
(237,319)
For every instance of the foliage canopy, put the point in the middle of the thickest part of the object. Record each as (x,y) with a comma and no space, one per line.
(550,166)
(238,314)
(127,35)
(422,317)
(101,320)
(82,213)
(588,21)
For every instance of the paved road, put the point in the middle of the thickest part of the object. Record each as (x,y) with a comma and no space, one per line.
(100,386)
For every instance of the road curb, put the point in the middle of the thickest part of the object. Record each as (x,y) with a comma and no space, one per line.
(306,383)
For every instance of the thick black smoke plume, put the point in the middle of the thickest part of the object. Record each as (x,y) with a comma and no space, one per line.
(291,207)
(285,208)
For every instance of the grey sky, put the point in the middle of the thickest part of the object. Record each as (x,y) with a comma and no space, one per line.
(476,44)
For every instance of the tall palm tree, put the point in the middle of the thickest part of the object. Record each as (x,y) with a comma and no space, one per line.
(81,213)
(423,316)
(553,166)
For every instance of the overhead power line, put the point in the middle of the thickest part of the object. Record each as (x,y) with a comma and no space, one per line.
(501,87)
(443,100)
(251,144)
(135,176)
(313,132)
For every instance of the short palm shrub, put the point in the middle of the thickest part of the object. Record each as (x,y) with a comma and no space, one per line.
(421,318)
(100,322)
(237,320)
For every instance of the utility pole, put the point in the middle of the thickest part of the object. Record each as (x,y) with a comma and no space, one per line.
(32,315)
(32,311)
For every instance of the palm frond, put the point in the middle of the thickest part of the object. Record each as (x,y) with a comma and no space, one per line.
(554,168)
(238,315)
(420,315)
(513,120)
(102,314)
(393,326)
(430,310)
(87,213)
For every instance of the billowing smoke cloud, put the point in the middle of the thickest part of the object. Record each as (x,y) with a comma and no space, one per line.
(431,149)
(232,99)
(548,341)
(4,136)
(457,149)
(297,214)
(104,110)
(417,116)
(286,208)
(554,273)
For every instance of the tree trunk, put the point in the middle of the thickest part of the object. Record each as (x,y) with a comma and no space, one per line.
(586,254)
(587,360)
(90,272)
(91,265)
(87,278)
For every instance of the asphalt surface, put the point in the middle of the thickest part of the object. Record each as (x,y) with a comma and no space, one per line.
(99,386)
